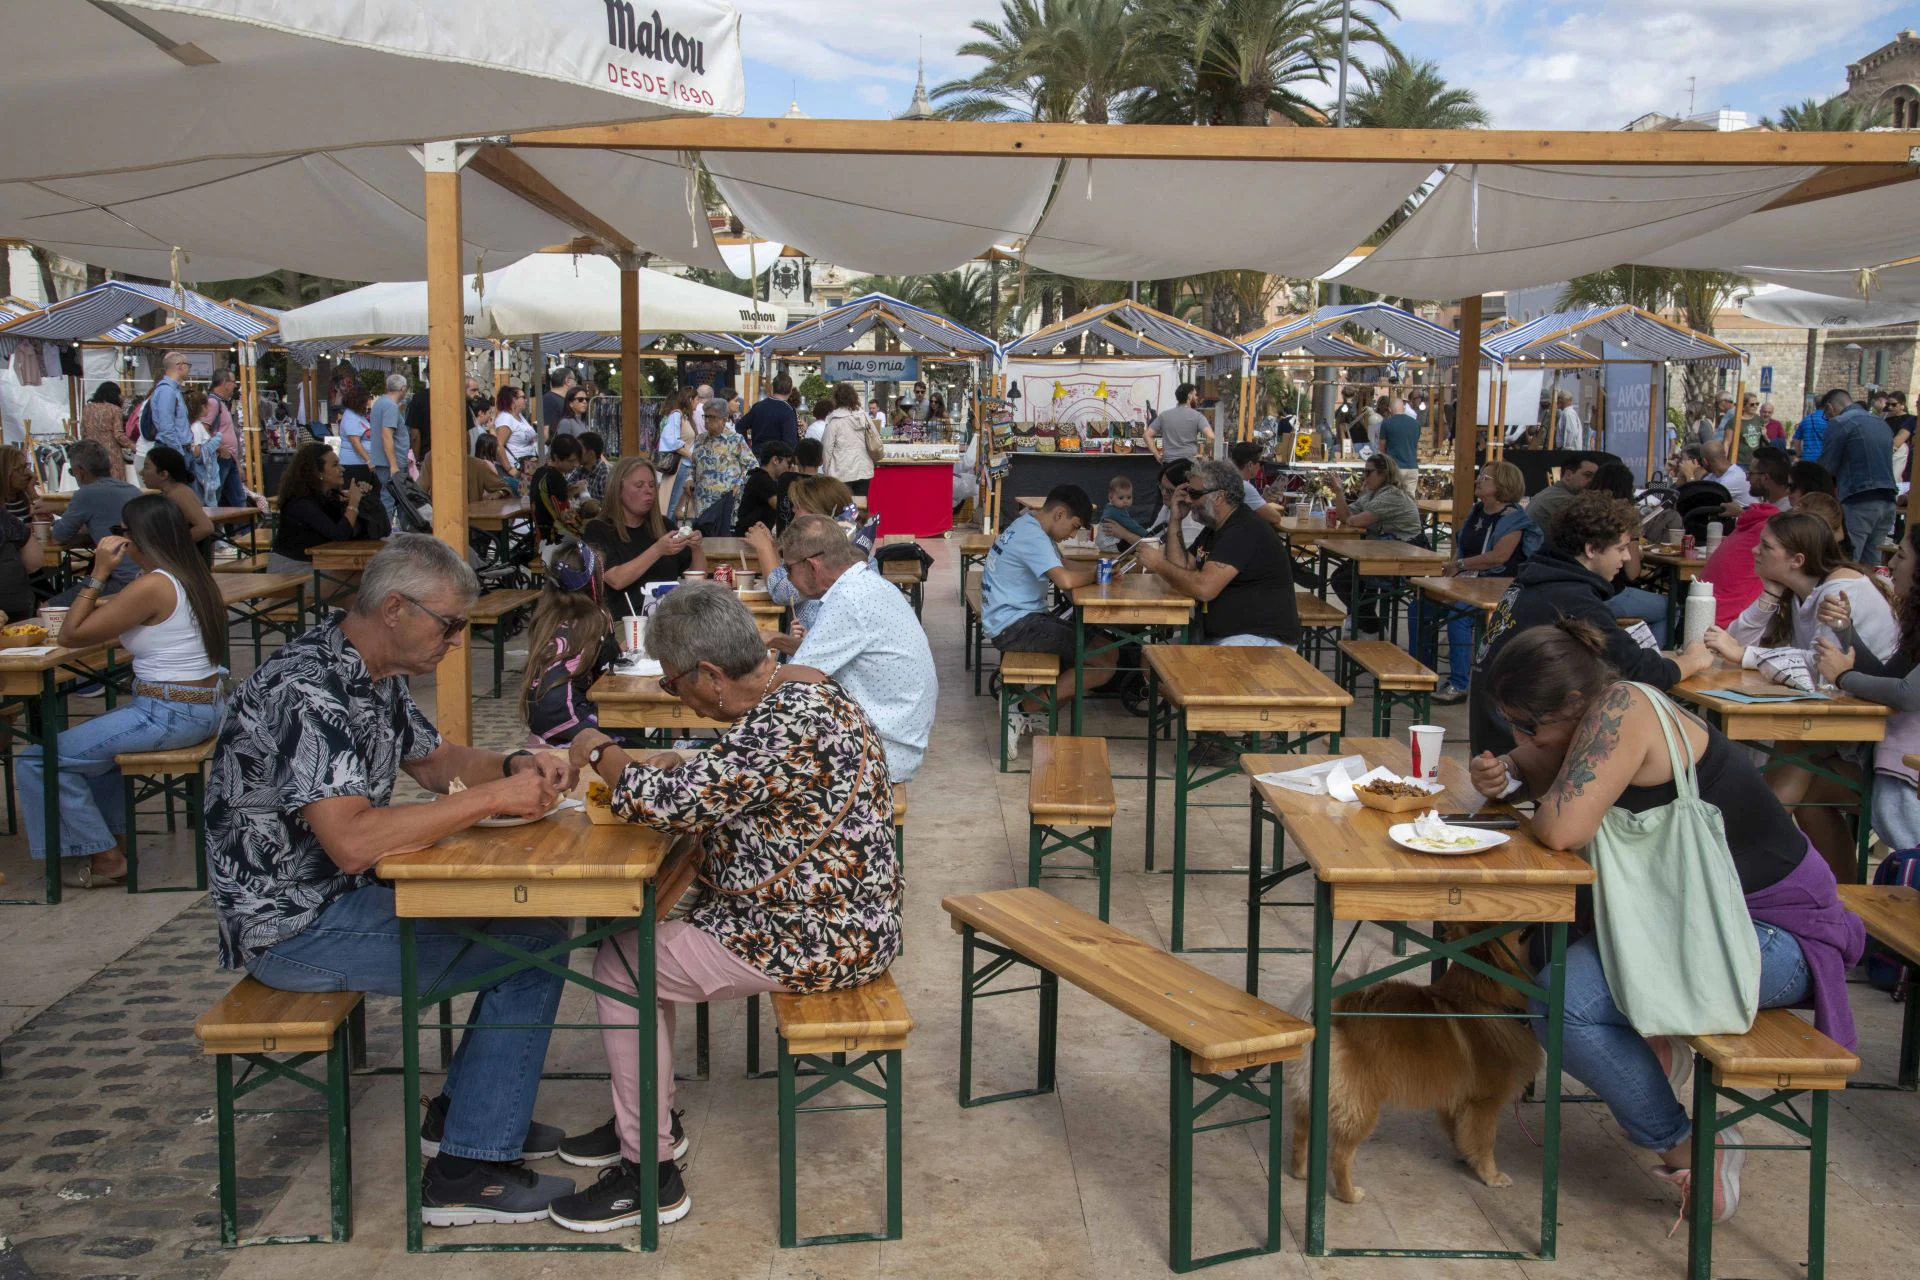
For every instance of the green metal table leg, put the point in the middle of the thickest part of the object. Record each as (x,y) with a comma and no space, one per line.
(229,1181)
(893,1065)
(1550,1119)
(1863,826)
(1179,829)
(1153,759)
(410,1081)
(789,1173)
(1180,1158)
(130,798)
(1079,663)
(196,805)
(1104,842)
(1322,1056)
(52,719)
(1033,855)
(1706,1124)
(1255,867)
(1817,1187)
(340,1136)
(1910,1040)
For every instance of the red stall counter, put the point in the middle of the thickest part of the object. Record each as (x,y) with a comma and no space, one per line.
(913,496)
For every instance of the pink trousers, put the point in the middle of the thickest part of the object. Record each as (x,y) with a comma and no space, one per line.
(690,966)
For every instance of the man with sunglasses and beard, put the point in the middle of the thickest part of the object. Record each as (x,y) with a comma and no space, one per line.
(1238,569)
(300,813)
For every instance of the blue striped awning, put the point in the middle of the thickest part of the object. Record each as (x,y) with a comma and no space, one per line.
(89,316)
(835,330)
(1648,335)
(1130,329)
(1408,332)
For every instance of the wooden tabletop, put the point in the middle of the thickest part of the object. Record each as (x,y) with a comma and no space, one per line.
(560,866)
(1834,719)
(19,662)
(497,511)
(1892,913)
(638,702)
(1135,599)
(1434,506)
(1247,689)
(233,515)
(1304,530)
(1347,844)
(1478,593)
(1388,558)
(734,550)
(344,555)
(1687,565)
(1031,504)
(235,587)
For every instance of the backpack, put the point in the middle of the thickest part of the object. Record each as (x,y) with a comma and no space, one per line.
(136,418)
(1884,969)
(144,420)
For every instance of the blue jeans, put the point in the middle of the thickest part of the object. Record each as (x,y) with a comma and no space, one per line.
(1459,626)
(232,492)
(92,804)
(1600,1048)
(385,476)
(1869,524)
(679,479)
(1648,606)
(355,946)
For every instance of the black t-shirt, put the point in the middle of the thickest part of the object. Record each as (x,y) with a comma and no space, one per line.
(553,407)
(1259,599)
(629,544)
(1766,844)
(759,502)
(783,505)
(420,423)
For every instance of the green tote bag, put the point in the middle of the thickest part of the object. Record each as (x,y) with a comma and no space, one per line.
(1675,938)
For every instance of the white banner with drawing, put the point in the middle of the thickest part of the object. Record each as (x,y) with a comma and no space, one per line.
(1092,390)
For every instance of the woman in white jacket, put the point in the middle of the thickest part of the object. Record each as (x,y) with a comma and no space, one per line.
(1799,564)
(845,443)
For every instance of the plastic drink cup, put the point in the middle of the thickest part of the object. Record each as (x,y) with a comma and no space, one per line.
(1426,741)
(723,575)
(633,633)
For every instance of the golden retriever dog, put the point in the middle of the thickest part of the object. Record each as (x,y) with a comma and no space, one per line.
(1468,1070)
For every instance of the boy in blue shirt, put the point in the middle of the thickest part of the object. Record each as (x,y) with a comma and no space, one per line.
(1024,561)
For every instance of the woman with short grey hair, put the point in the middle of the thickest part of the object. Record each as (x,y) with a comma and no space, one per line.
(799,884)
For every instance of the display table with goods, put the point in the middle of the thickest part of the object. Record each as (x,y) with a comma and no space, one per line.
(1038,457)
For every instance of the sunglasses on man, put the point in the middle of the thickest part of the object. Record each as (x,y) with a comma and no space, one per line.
(449,627)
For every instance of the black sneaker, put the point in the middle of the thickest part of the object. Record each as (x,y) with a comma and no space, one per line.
(600,1147)
(614,1201)
(542,1140)
(489,1193)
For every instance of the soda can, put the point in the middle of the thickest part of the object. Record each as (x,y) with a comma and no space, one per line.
(723,575)
(1106,570)
(1687,546)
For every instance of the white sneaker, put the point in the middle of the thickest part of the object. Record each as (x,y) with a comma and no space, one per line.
(1016,723)
(1036,724)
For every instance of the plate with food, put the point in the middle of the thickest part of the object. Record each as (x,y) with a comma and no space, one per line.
(1428,834)
(509,820)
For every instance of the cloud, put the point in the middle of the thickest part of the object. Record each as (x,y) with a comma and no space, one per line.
(877,94)
(831,40)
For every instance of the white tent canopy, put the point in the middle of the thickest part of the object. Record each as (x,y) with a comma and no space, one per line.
(1819,245)
(543,293)
(1805,310)
(1491,227)
(259,134)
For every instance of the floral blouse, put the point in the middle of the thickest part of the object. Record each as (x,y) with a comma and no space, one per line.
(761,796)
(721,463)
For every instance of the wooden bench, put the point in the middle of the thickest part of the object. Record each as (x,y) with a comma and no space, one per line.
(1215,1031)
(1320,624)
(869,1024)
(1071,787)
(900,823)
(1892,913)
(178,774)
(1399,680)
(973,641)
(973,550)
(278,1032)
(1762,1072)
(1024,675)
(498,614)
(242,564)
(908,575)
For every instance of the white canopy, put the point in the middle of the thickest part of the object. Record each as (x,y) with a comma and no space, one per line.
(543,293)
(1818,245)
(1805,310)
(258,134)
(752,260)
(1492,227)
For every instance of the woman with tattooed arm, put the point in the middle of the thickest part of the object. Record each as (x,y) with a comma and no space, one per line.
(1586,742)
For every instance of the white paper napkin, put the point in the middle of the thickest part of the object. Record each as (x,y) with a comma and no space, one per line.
(638,667)
(1313,779)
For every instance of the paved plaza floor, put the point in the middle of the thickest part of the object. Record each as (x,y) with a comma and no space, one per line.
(107,1141)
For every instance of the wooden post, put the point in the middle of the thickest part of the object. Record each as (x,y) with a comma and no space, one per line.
(446,350)
(1656,389)
(629,355)
(1466,409)
(253,457)
(1739,395)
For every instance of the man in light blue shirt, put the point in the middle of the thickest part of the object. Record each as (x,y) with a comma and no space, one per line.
(1023,562)
(388,442)
(170,424)
(865,637)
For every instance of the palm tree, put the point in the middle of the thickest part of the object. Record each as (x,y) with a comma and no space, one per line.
(964,297)
(1240,62)
(911,289)
(1055,60)
(1835,115)
(1412,94)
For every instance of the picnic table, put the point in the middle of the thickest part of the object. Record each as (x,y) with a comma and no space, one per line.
(638,702)
(1795,732)
(497,516)
(1481,595)
(1437,514)
(37,680)
(259,599)
(1202,689)
(1678,570)
(560,867)
(1361,875)
(1135,608)
(339,563)
(1383,569)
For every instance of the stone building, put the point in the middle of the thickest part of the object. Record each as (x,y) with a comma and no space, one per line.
(1858,361)
(1889,77)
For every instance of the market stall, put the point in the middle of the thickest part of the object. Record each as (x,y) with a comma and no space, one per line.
(913,489)
(1081,393)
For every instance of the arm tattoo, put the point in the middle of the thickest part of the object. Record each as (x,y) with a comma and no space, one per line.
(1595,742)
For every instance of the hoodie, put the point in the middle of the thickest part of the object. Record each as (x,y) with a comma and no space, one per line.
(1549,587)
(1730,567)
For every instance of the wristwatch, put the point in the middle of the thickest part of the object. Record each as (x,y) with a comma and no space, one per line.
(593,756)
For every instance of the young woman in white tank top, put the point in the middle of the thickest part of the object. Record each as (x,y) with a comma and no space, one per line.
(172,620)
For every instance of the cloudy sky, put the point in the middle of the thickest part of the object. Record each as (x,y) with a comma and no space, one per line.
(1540,64)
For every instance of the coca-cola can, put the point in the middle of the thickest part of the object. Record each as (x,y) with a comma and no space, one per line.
(1686,546)
(723,575)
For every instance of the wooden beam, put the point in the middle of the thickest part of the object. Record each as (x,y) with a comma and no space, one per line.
(1466,408)
(1844,180)
(447,350)
(1181,142)
(512,174)
(629,357)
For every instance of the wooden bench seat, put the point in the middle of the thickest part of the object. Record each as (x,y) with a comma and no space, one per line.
(1029,668)
(1070,808)
(495,605)
(178,760)
(1399,680)
(1763,1072)
(178,774)
(1023,676)
(1320,624)
(242,564)
(973,641)
(268,1029)
(1215,1031)
(824,1031)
